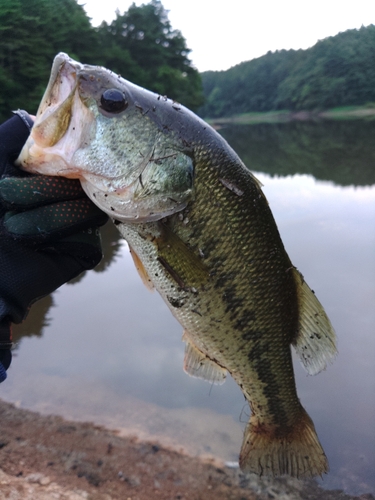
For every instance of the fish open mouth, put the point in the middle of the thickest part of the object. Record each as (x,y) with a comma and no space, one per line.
(55,111)
(61,123)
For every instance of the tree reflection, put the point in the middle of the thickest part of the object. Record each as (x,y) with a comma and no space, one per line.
(37,319)
(338,151)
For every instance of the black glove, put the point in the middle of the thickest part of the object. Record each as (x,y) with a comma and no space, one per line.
(48,233)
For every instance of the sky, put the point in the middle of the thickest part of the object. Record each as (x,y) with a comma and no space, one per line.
(223,34)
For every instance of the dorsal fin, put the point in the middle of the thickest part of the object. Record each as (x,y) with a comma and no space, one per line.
(315,342)
(197,364)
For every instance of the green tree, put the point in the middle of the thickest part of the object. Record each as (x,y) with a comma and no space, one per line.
(140,44)
(32,32)
(155,55)
(336,71)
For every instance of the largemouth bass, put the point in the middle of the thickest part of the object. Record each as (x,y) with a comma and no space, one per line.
(201,232)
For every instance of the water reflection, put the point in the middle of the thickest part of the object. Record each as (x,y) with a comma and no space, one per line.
(112,352)
(338,151)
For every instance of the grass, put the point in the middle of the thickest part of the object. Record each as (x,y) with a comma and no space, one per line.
(339,113)
(350,112)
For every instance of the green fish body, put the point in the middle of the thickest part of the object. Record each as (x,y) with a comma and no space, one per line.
(201,232)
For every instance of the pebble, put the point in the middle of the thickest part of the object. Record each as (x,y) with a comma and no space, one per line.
(37,486)
(232,465)
(38,478)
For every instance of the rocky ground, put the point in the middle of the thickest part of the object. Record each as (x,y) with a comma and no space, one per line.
(47,457)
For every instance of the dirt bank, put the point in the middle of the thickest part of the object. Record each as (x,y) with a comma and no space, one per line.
(47,457)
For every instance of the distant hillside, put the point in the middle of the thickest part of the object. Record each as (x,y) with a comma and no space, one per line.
(336,71)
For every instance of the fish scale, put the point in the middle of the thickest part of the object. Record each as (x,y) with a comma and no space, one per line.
(277,396)
(201,232)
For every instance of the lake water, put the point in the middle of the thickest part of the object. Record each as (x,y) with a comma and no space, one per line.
(105,349)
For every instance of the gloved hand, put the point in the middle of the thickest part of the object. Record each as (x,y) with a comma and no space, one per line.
(48,233)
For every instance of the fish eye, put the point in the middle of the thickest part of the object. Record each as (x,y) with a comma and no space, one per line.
(113,101)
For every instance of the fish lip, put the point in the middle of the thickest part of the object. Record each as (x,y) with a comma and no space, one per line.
(55,110)
(65,69)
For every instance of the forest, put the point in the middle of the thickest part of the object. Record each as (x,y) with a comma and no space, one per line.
(142,46)
(336,71)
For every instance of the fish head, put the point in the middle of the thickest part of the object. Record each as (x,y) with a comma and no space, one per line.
(119,139)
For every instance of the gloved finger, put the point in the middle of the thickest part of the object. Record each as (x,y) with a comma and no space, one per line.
(5,346)
(28,275)
(49,223)
(85,247)
(13,135)
(5,360)
(3,373)
(20,193)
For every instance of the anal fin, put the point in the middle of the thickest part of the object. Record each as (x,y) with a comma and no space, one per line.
(197,364)
(315,342)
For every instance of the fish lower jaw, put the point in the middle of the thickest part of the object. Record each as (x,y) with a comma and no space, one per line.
(122,205)
(38,161)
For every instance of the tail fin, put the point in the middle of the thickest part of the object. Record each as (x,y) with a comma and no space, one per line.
(297,452)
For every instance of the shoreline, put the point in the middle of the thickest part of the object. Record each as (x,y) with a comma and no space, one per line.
(347,113)
(48,457)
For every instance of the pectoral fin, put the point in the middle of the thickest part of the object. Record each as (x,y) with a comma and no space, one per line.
(184,266)
(141,270)
(199,365)
(315,342)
